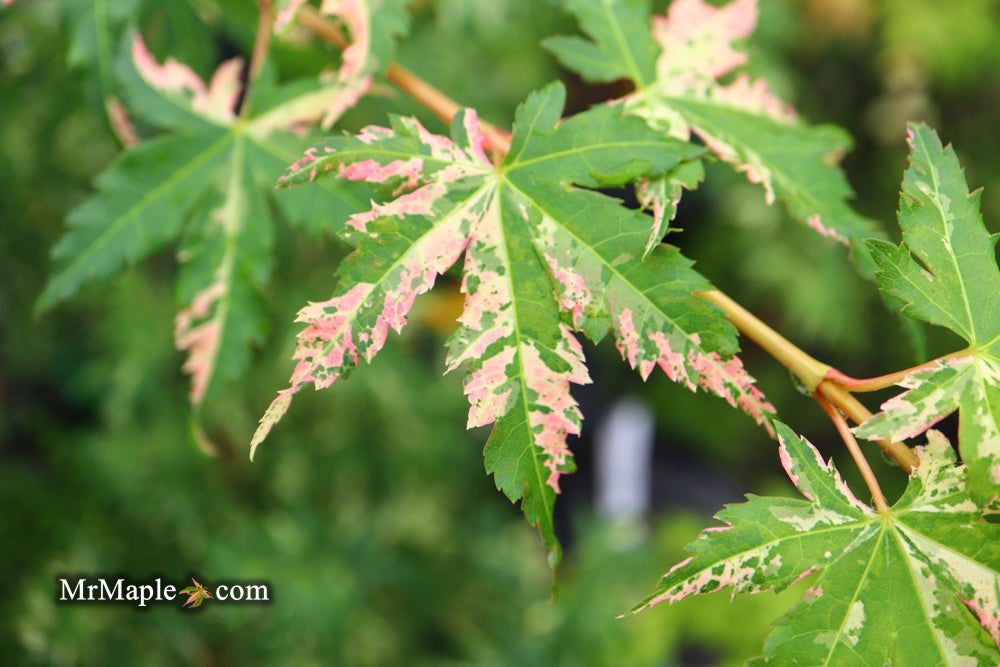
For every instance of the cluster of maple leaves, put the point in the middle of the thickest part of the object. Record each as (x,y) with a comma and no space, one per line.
(545,259)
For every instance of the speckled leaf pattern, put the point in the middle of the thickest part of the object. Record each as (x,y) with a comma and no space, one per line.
(741,122)
(203,181)
(541,259)
(945,271)
(916,586)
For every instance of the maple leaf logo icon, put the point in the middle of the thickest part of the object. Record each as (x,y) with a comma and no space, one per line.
(196,594)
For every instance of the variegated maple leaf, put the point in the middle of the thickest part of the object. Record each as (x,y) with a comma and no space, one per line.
(197,594)
(918,585)
(202,180)
(676,63)
(541,258)
(946,272)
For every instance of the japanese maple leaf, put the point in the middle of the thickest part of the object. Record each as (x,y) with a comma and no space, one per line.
(196,594)
(542,258)
(945,270)
(676,63)
(203,180)
(918,585)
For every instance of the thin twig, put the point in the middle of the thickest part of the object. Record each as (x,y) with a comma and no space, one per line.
(265,27)
(327,30)
(859,458)
(261,40)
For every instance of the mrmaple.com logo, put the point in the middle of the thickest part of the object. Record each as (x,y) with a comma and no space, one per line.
(119,589)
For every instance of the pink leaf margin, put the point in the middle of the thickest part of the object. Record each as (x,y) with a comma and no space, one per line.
(216,101)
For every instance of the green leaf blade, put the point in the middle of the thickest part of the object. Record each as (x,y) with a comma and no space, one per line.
(916,585)
(946,273)
(226,260)
(143,200)
(402,244)
(170,95)
(620,46)
(593,248)
(740,121)
(942,227)
(515,335)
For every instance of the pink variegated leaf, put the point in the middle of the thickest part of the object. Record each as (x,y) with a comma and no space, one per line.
(913,574)
(440,197)
(946,273)
(594,254)
(207,179)
(183,98)
(403,245)
(741,121)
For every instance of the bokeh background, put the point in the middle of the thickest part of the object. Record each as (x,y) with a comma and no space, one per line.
(368,509)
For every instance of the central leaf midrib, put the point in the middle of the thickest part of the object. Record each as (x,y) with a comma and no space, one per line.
(622,45)
(857,591)
(590,147)
(227,268)
(916,587)
(534,449)
(939,209)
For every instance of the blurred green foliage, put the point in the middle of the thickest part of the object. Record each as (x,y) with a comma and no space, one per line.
(369,512)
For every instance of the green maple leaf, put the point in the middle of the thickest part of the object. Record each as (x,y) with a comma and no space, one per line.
(203,181)
(196,594)
(946,272)
(676,69)
(918,585)
(542,258)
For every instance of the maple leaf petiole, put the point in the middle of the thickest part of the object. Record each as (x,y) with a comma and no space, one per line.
(885,381)
(859,458)
(858,413)
(263,37)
